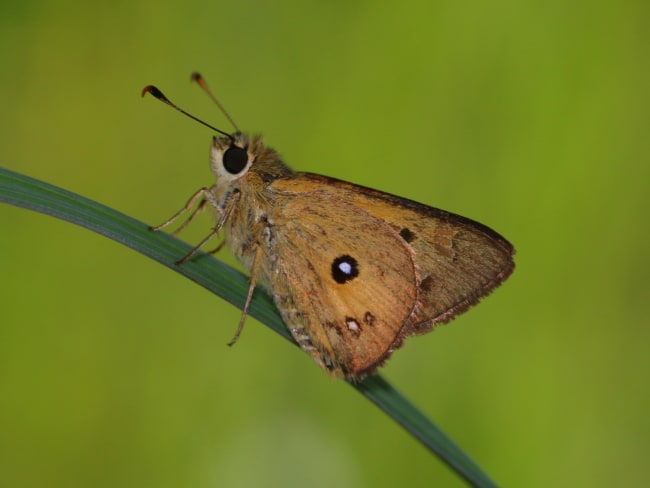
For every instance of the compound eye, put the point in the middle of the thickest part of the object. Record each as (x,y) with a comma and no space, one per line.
(235,159)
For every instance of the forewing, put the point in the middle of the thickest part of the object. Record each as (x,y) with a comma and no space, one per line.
(344,280)
(457,260)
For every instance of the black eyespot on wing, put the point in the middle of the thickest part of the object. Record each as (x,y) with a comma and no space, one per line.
(344,268)
(426,285)
(235,159)
(407,234)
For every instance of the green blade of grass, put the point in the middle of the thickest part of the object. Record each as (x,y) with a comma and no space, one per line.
(229,284)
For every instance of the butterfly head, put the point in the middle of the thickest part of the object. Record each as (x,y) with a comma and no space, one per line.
(235,156)
(239,156)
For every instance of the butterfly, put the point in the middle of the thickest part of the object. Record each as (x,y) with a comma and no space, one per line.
(352,270)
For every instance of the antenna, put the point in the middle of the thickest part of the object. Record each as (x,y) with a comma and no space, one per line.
(155,92)
(196,76)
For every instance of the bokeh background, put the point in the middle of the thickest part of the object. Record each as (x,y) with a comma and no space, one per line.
(531,117)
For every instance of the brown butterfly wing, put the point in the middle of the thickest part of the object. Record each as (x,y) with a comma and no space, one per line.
(417,266)
(345,283)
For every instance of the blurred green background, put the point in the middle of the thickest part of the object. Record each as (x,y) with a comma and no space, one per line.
(531,117)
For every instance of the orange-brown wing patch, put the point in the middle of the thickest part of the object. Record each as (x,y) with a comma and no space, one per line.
(457,259)
(344,281)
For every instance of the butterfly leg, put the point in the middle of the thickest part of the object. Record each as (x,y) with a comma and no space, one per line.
(216,249)
(205,194)
(223,216)
(249,296)
(198,210)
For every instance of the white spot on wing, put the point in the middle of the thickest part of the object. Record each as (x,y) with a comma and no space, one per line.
(352,324)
